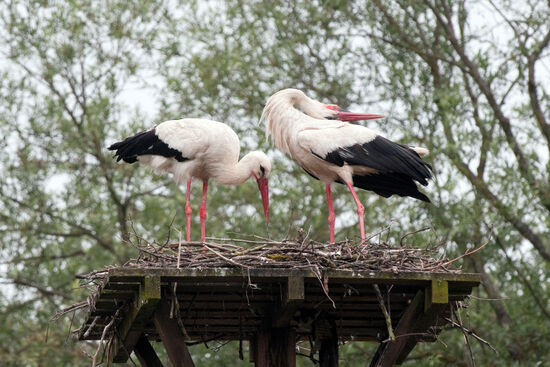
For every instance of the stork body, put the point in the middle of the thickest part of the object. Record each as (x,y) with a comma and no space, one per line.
(329,148)
(196,149)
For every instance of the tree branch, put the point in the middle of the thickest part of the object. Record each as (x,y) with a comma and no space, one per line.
(503,120)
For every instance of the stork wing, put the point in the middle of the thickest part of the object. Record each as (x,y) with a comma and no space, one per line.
(178,139)
(360,146)
(188,136)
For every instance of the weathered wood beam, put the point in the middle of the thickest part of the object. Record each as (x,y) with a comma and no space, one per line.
(293,298)
(171,336)
(131,327)
(146,353)
(229,275)
(421,314)
(435,302)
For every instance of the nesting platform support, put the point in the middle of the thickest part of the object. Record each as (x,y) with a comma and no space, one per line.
(272,309)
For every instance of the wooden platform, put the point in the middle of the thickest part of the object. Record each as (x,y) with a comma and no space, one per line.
(272,308)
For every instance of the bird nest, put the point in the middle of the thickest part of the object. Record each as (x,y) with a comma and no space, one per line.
(299,253)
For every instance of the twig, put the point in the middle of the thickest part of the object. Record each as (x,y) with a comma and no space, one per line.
(90,327)
(470,332)
(384,311)
(105,330)
(470,252)
(471,353)
(225,258)
(411,233)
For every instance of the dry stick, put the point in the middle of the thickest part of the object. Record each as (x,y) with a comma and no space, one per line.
(466,339)
(411,233)
(70,327)
(239,253)
(384,311)
(90,327)
(470,332)
(223,247)
(225,258)
(317,273)
(105,330)
(176,304)
(470,252)
(66,310)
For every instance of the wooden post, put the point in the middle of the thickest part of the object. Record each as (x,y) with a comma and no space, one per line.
(261,353)
(171,336)
(275,347)
(282,348)
(146,354)
(293,299)
(328,351)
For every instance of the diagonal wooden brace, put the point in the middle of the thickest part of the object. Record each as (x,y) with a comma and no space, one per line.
(131,327)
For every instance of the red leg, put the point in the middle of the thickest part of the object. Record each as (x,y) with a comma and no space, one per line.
(360,210)
(331,215)
(203,210)
(188,210)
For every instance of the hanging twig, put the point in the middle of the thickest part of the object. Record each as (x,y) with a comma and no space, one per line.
(384,311)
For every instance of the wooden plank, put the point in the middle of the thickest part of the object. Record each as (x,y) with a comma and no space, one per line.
(146,353)
(171,336)
(229,274)
(137,317)
(293,298)
(388,353)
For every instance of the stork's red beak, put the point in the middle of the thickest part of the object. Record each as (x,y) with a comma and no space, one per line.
(264,192)
(351,116)
(344,115)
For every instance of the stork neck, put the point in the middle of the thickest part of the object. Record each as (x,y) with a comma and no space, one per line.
(236,174)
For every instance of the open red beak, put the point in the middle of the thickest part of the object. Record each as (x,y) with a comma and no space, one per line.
(264,192)
(351,116)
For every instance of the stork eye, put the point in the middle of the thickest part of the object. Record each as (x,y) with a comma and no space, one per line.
(263,170)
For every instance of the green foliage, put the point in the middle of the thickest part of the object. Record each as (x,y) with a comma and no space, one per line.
(446,80)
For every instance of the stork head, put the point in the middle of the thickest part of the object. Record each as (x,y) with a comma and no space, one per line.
(312,108)
(260,168)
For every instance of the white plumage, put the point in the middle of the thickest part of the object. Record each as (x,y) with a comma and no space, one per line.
(196,149)
(329,148)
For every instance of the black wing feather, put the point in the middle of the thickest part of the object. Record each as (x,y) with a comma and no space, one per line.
(144,143)
(384,156)
(398,167)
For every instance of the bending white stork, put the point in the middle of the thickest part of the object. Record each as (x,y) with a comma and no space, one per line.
(199,149)
(330,149)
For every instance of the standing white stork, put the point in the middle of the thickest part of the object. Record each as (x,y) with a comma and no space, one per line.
(200,149)
(330,149)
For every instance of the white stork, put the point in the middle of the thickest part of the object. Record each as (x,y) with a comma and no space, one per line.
(196,149)
(330,149)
